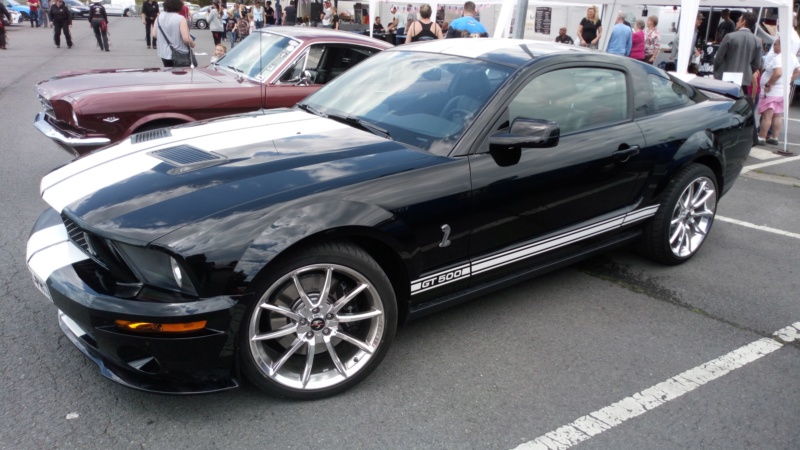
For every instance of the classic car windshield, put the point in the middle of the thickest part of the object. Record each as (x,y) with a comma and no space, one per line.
(259,54)
(421,99)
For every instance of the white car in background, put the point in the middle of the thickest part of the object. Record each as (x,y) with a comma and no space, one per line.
(126,8)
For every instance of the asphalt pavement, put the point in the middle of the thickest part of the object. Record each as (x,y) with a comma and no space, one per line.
(615,352)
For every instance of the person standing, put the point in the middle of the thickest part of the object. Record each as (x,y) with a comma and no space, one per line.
(62,22)
(174,31)
(230,30)
(33,5)
(334,18)
(467,25)
(637,41)
(590,29)
(725,26)
(3,12)
(149,15)
(410,16)
(652,40)
(269,14)
(290,14)
(215,22)
(392,27)
(621,39)
(98,21)
(327,15)
(376,26)
(770,105)
(278,13)
(740,51)
(257,15)
(44,15)
(425,29)
(563,37)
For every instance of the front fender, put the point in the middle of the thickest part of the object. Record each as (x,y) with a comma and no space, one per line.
(326,220)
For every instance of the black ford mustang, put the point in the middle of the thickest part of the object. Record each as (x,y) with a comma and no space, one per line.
(287,245)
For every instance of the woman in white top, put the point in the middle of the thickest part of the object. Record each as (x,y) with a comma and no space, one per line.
(172,27)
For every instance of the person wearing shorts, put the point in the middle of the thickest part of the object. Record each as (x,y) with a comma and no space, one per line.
(770,105)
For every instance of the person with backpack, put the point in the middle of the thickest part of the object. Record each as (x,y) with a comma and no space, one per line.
(424,29)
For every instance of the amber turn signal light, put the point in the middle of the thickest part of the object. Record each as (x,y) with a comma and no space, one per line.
(149,327)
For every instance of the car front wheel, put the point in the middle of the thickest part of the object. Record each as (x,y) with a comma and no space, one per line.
(322,321)
(201,24)
(684,219)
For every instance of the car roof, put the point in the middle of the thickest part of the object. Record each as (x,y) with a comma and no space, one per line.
(313,33)
(511,52)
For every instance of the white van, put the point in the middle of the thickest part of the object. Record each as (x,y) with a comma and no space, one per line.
(125,8)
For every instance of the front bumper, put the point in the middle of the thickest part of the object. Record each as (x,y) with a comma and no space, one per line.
(71,142)
(197,362)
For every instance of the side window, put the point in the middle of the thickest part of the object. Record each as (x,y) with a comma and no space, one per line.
(575,98)
(667,94)
(309,61)
(337,59)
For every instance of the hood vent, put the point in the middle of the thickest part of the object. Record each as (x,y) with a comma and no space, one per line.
(186,158)
(145,136)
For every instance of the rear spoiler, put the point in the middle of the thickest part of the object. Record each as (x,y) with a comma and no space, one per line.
(725,88)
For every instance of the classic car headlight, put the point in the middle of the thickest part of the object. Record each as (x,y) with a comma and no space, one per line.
(157,268)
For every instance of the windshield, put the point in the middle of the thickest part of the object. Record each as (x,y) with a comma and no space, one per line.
(12,3)
(421,99)
(259,54)
(74,3)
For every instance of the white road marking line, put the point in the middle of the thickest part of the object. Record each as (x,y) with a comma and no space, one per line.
(758,227)
(606,418)
(794,120)
(760,153)
(770,163)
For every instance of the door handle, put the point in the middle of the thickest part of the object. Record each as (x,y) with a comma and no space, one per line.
(624,154)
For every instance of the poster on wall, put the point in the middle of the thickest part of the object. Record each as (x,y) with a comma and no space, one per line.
(542,20)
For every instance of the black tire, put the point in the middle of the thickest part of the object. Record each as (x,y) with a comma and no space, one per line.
(126,13)
(201,24)
(349,330)
(24,17)
(683,221)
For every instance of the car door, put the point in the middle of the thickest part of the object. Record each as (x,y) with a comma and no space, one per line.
(323,62)
(555,200)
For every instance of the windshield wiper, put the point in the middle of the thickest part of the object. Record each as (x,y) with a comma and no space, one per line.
(311,109)
(239,71)
(362,124)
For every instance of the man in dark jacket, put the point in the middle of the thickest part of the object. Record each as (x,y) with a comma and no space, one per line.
(3,13)
(725,26)
(740,51)
(99,21)
(62,22)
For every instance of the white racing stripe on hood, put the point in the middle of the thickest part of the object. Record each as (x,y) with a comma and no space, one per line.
(125,148)
(219,142)
(45,238)
(48,260)
(89,181)
(107,167)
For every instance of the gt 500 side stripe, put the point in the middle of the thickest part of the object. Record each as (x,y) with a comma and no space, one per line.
(526,251)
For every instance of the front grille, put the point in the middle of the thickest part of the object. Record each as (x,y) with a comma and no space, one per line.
(78,236)
(145,136)
(184,155)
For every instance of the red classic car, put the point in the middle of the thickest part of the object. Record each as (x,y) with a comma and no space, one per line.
(275,67)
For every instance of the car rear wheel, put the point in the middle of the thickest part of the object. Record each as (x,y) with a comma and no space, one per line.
(323,320)
(127,13)
(684,219)
(201,24)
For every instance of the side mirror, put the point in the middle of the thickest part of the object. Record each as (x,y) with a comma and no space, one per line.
(506,148)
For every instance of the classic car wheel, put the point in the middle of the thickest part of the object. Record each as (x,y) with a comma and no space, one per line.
(201,24)
(684,219)
(321,324)
(24,17)
(126,13)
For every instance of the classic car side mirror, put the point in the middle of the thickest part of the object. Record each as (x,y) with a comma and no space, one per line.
(524,133)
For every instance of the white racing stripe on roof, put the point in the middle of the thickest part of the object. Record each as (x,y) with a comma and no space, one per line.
(606,418)
(46,261)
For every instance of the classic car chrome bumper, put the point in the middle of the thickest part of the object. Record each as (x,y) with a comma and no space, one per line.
(41,124)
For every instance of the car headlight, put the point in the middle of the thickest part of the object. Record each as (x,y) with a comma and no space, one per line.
(157,268)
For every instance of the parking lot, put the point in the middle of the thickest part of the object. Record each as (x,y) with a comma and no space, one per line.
(615,352)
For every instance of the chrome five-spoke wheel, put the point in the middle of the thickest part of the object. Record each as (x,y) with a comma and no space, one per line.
(320,327)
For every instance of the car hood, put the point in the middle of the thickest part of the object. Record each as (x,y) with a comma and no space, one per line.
(138,192)
(77,82)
